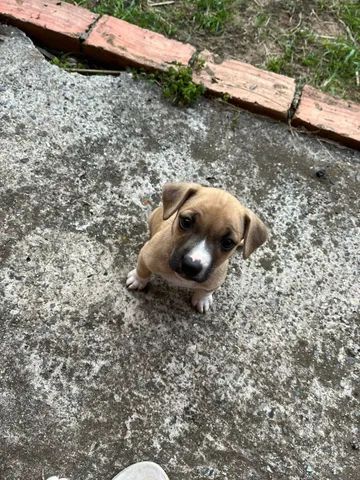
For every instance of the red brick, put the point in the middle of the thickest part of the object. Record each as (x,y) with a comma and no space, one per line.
(330,116)
(54,23)
(254,89)
(120,43)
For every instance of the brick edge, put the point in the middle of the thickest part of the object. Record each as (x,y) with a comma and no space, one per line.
(326,133)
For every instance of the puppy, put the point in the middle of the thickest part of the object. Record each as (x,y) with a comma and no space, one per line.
(192,236)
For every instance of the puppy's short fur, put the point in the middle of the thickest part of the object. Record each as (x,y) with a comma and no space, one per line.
(192,236)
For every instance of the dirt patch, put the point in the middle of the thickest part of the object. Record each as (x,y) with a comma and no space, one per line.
(300,39)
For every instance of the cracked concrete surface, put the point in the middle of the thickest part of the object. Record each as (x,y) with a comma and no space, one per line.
(93,377)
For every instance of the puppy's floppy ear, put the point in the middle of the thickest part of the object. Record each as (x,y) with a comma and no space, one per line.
(174,195)
(255,233)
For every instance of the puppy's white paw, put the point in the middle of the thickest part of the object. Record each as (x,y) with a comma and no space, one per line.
(202,301)
(134,282)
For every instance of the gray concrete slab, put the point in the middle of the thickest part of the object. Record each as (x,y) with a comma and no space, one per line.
(93,377)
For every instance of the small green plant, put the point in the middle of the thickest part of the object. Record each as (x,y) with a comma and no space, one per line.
(60,62)
(226,97)
(66,62)
(178,86)
(261,19)
(275,64)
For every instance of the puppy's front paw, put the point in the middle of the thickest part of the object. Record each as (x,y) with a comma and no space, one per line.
(134,282)
(202,301)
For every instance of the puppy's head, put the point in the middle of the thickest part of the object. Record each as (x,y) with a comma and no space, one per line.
(209,225)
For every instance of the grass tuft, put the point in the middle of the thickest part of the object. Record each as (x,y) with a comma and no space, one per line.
(178,87)
(176,84)
(212,15)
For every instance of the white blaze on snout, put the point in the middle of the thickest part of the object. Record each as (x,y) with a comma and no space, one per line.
(201,253)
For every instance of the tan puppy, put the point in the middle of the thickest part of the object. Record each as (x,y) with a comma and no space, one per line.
(192,236)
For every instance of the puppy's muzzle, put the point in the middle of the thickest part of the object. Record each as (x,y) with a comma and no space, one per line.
(193,262)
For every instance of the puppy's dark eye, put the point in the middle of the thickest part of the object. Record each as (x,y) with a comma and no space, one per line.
(227,244)
(185,223)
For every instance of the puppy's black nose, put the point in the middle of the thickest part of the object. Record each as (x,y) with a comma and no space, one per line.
(190,267)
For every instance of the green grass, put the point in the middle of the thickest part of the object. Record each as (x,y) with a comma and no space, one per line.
(207,15)
(330,64)
(323,59)
(212,15)
(135,11)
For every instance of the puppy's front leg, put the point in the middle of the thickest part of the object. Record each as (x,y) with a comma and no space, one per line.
(138,278)
(202,300)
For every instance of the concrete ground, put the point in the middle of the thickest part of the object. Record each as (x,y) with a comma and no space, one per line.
(94,377)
